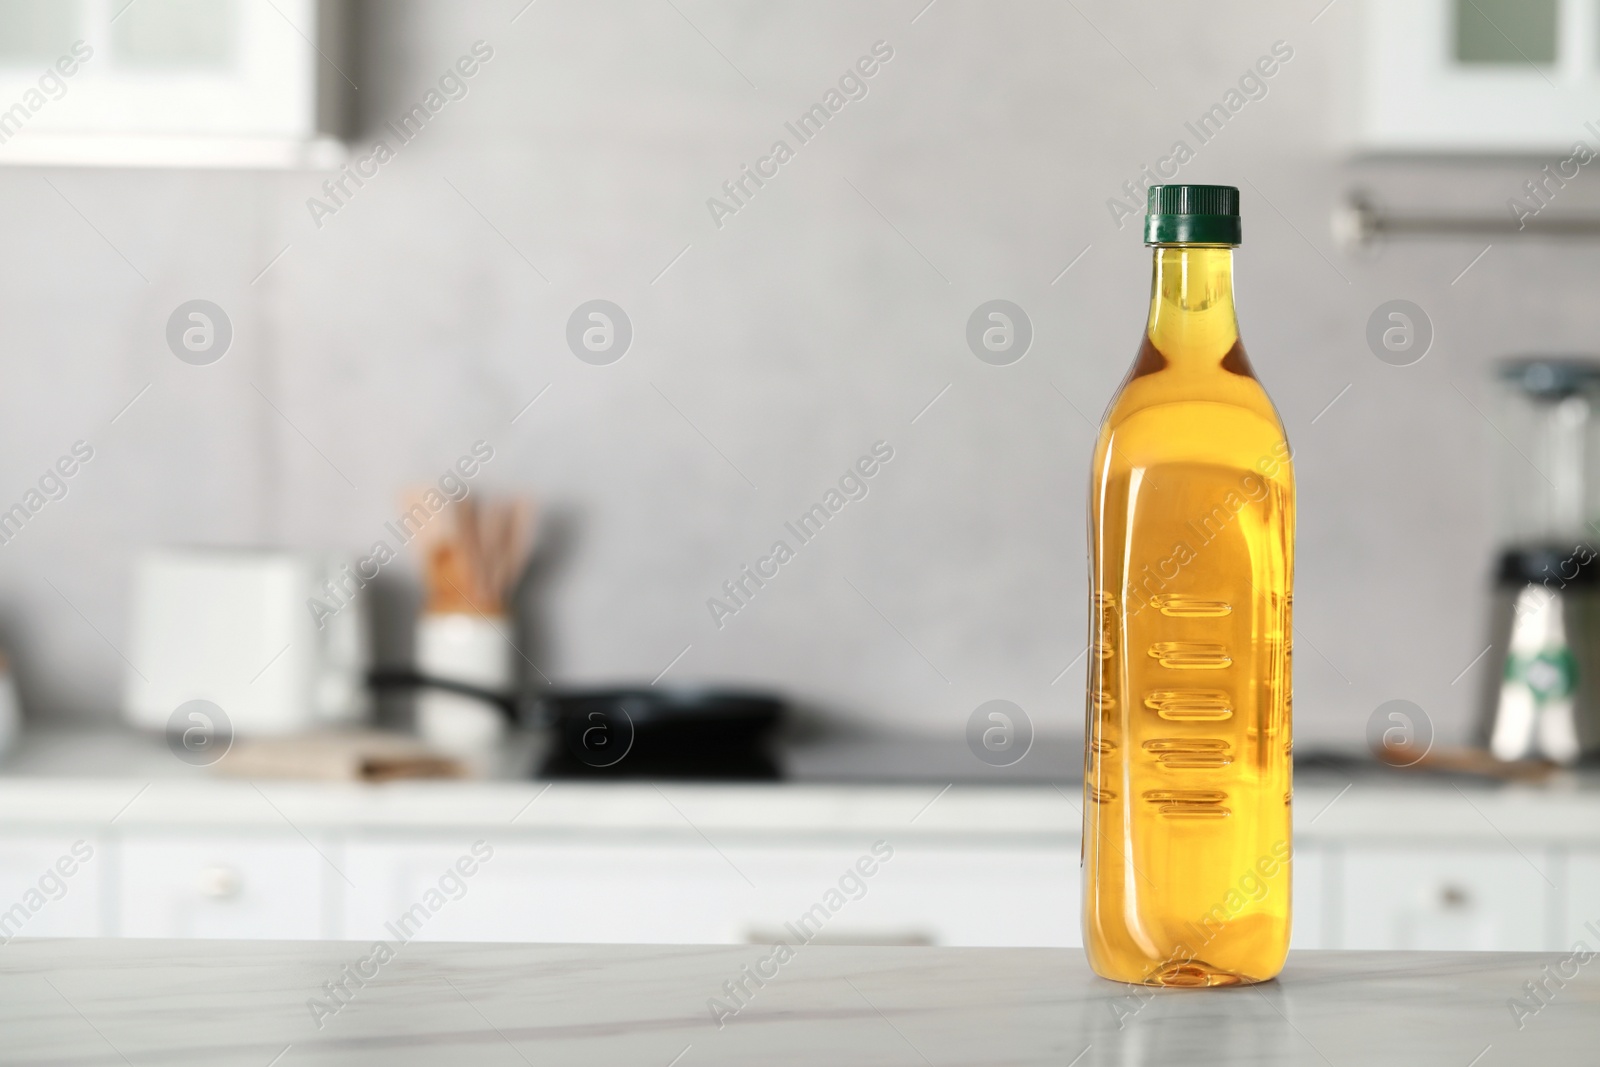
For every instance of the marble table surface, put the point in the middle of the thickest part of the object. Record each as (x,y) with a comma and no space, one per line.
(264,1004)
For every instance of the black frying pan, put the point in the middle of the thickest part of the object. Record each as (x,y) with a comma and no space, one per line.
(644,731)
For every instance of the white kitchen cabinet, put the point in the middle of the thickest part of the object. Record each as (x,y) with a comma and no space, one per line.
(1447,898)
(924,893)
(1309,927)
(225,83)
(50,885)
(691,892)
(625,891)
(1581,910)
(585,862)
(1476,76)
(211,884)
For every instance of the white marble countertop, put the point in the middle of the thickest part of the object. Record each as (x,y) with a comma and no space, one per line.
(104,781)
(251,1003)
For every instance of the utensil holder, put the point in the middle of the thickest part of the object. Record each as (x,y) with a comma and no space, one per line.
(469,648)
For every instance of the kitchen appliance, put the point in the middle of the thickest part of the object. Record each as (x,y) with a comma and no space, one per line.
(1542,691)
(276,639)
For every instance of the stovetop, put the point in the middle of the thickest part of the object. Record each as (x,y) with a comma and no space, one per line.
(829,758)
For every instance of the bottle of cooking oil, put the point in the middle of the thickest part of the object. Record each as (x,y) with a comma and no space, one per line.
(1187,787)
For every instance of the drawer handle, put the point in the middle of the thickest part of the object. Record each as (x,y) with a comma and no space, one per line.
(1454,898)
(905,936)
(219,882)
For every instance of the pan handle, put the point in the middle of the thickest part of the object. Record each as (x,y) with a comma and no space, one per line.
(405,679)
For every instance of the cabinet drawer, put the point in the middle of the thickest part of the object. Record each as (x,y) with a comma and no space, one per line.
(691,893)
(439,889)
(918,893)
(209,885)
(1449,899)
(50,886)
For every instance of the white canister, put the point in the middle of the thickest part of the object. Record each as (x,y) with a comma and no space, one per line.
(470,648)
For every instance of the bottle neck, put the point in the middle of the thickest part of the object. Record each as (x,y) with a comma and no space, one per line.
(1192,321)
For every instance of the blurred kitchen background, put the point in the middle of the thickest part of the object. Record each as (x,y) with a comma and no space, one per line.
(373,346)
(275,274)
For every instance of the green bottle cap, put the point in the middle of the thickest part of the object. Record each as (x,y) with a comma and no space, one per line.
(1192,215)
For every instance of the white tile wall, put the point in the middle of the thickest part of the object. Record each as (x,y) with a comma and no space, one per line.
(822,317)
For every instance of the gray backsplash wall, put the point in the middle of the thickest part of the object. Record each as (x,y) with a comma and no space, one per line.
(777,349)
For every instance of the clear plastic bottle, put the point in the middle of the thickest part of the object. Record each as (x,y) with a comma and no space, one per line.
(1187,768)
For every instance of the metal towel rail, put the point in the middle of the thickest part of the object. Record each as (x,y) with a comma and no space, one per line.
(1358,222)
